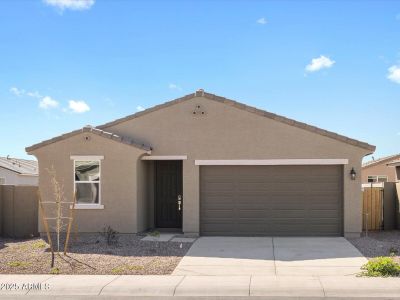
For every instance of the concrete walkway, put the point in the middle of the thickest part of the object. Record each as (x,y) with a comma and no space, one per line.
(66,286)
(303,256)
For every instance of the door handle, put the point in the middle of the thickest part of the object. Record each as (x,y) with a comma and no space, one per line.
(179,202)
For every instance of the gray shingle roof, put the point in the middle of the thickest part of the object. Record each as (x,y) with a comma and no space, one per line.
(20,166)
(201,93)
(380,160)
(99,132)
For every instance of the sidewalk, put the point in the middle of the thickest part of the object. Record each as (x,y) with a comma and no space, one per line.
(107,286)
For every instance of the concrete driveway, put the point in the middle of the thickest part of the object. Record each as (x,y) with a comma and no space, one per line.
(287,256)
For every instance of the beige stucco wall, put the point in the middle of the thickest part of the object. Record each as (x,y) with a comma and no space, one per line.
(226,132)
(119,184)
(379,169)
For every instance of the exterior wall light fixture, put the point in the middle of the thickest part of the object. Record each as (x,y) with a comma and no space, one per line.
(353,174)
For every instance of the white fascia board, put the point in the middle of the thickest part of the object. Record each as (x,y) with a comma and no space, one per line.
(87,157)
(165,157)
(270,162)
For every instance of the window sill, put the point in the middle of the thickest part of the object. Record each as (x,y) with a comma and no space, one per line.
(87,206)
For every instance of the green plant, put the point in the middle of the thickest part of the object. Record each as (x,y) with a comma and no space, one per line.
(117,270)
(39,245)
(110,235)
(134,268)
(121,269)
(393,251)
(18,264)
(154,233)
(55,271)
(381,267)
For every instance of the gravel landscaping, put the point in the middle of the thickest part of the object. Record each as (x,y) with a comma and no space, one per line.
(92,255)
(379,243)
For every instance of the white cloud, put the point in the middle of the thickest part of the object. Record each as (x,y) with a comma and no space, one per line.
(319,63)
(394,74)
(262,21)
(173,86)
(140,108)
(34,94)
(70,4)
(16,91)
(78,106)
(21,92)
(48,102)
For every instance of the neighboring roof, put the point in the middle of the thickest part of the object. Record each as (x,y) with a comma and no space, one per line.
(99,132)
(20,166)
(380,160)
(393,163)
(201,93)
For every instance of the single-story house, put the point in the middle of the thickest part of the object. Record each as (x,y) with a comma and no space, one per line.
(16,171)
(207,165)
(381,170)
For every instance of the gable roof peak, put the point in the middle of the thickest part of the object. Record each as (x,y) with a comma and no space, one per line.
(236,104)
(199,93)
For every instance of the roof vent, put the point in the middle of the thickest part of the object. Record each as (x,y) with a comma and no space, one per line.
(198,110)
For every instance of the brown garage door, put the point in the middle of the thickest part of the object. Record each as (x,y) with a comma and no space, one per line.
(271,200)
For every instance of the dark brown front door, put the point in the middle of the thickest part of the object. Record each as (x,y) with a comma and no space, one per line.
(168,193)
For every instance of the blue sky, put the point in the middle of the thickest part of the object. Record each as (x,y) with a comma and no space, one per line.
(68,63)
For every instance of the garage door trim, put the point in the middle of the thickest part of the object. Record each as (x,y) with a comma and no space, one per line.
(271,162)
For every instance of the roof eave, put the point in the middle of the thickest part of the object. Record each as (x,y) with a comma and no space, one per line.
(90,129)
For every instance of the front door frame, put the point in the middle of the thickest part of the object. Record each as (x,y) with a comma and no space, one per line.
(159,223)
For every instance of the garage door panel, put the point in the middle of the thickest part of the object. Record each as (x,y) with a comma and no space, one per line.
(271,200)
(251,213)
(250,229)
(318,214)
(218,214)
(289,213)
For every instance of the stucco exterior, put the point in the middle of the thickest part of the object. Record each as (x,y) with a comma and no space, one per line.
(381,168)
(221,131)
(119,187)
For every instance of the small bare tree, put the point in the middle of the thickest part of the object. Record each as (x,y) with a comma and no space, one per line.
(56,214)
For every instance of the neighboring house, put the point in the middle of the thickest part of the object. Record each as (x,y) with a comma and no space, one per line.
(15,171)
(381,170)
(207,165)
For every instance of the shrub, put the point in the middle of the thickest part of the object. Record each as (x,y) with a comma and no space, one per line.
(381,267)
(154,233)
(19,264)
(125,268)
(393,251)
(55,271)
(110,235)
(39,245)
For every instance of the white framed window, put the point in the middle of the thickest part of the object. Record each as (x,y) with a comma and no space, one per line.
(87,182)
(2,180)
(377,178)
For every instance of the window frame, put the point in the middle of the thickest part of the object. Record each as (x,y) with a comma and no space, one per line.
(84,158)
(2,179)
(382,176)
(376,178)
